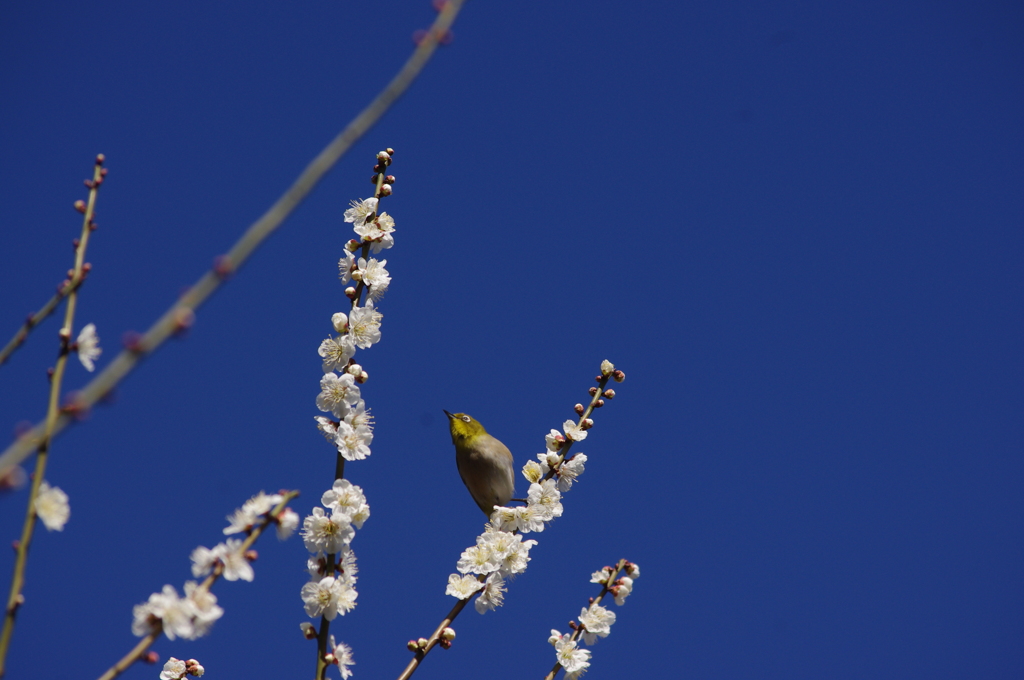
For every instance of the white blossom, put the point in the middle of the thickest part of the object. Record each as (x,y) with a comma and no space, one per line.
(601,575)
(510,551)
(51,506)
(598,622)
(545,500)
(573,660)
(372,273)
(328,534)
(342,658)
(361,213)
(236,566)
(88,347)
(246,517)
(573,431)
(174,669)
(287,523)
(204,608)
(533,471)
(493,594)
(345,265)
(347,498)
(554,440)
(337,393)
(462,587)
(203,560)
(364,325)
(336,352)
(328,597)
(477,559)
(353,443)
(569,470)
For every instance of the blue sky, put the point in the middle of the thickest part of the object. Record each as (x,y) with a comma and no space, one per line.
(797,227)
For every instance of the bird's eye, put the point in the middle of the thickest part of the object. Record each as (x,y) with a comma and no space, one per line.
(465,419)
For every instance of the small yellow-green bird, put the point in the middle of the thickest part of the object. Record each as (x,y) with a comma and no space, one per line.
(485,464)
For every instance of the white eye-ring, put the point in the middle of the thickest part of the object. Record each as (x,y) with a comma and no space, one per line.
(466,419)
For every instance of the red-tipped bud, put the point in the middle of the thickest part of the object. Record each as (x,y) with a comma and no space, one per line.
(80,206)
(592,391)
(100,158)
(150,657)
(251,555)
(132,341)
(579,409)
(412,646)
(618,376)
(390,179)
(222,266)
(385,190)
(609,393)
(599,403)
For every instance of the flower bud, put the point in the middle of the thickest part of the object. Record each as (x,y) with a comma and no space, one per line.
(340,322)
(619,376)
(592,391)
(599,403)
(579,409)
(448,634)
(354,369)
(308,631)
(607,367)
(412,646)
(352,245)
(80,205)
(385,189)
(553,459)
(422,643)
(609,393)
(350,292)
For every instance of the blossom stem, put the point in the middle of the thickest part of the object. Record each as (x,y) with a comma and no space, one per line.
(15,598)
(619,566)
(255,235)
(433,640)
(564,450)
(144,644)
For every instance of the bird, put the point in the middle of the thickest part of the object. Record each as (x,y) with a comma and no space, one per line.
(485,464)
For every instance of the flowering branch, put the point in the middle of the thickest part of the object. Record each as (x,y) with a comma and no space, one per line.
(15,598)
(181,313)
(192,616)
(500,551)
(332,567)
(595,620)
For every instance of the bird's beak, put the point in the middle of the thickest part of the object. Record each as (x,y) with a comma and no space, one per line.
(450,416)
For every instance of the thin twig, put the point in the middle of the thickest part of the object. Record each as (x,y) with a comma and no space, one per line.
(35,319)
(138,650)
(172,319)
(619,566)
(15,598)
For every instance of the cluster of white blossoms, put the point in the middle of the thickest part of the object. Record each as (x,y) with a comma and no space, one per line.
(339,395)
(192,616)
(329,533)
(501,552)
(51,507)
(595,621)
